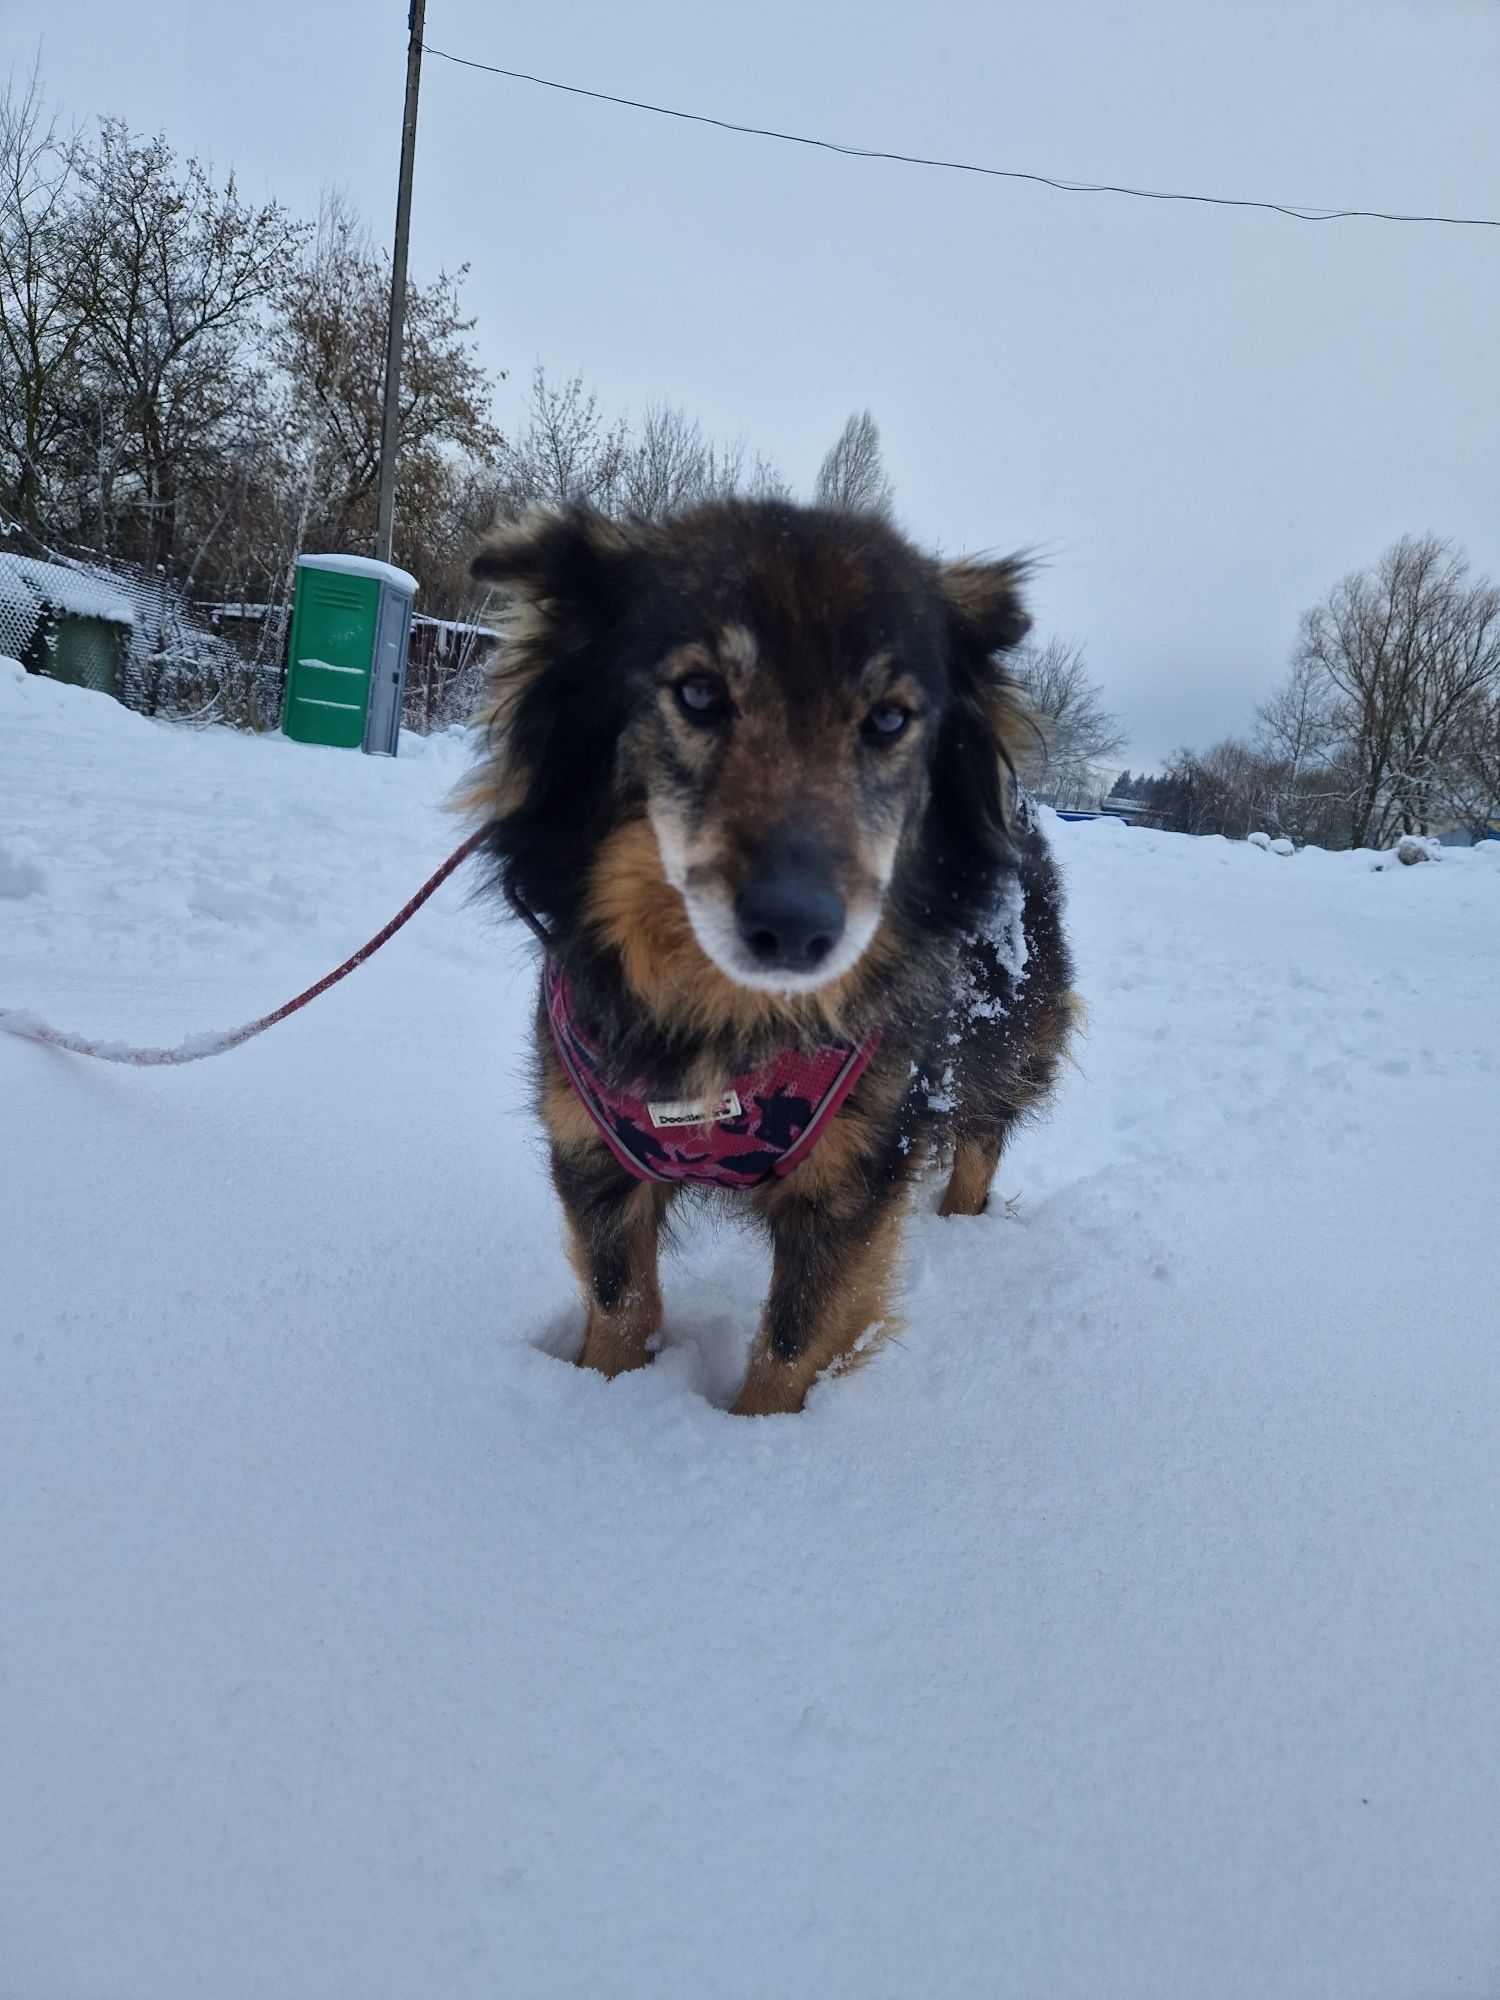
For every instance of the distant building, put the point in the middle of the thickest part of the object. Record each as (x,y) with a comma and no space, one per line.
(1132,811)
(70,624)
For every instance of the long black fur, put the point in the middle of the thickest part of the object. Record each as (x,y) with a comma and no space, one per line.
(609,602)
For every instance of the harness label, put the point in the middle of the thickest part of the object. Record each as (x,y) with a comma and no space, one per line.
(700,1111)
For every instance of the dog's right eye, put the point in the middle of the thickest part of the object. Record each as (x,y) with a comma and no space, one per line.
(702,698)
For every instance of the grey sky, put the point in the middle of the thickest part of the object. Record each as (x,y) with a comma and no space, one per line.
(1202,417)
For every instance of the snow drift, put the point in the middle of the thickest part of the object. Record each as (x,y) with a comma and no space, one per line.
(1130,1626)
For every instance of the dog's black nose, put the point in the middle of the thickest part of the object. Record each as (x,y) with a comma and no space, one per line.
(789,913)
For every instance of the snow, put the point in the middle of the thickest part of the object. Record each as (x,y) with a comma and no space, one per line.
(27,584)
(1129,1626)
(19,873)
(1412,848)
(383,572)
(453,628)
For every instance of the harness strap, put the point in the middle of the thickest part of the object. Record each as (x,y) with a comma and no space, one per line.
(769,1121)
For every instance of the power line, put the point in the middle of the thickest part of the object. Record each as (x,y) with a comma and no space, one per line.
(1297,212)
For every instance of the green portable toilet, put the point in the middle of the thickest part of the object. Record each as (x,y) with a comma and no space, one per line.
(346,665)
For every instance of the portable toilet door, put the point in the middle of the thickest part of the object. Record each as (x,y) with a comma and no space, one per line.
(346,661)
(388,674)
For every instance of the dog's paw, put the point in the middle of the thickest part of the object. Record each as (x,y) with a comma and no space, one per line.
(607,1353)
(771,1390)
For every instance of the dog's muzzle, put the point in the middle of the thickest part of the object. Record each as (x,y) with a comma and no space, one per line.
(789,912)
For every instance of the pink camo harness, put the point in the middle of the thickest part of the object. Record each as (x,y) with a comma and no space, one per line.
(764,1125)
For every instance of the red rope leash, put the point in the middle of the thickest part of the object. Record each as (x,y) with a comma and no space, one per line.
(196,1047)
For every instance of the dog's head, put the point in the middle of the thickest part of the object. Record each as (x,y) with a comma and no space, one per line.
(802,717)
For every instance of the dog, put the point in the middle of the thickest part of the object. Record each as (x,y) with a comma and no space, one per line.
(750,775)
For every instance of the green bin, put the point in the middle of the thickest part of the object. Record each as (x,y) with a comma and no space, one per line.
(346,664)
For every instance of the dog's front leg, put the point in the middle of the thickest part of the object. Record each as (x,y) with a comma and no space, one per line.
(613,1225)
(829,1289)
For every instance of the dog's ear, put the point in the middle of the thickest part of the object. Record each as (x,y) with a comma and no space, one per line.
(986,729)
(568,569)
(555,706)
(984,602)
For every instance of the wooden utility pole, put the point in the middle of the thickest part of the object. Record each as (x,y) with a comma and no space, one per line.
(385,512)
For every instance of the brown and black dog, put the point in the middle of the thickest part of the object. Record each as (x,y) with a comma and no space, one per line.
(750,773)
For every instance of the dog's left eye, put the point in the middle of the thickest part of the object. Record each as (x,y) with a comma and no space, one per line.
(886,721)
(702,698)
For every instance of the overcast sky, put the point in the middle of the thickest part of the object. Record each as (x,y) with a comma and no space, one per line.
(1202,417)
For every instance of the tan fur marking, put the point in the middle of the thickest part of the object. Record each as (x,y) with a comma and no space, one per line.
(968,1189)
(615,1342)
(1053,1035)
(498,785)
(875,675)
(1078,1025)
(859,1307)
(978,590)
(684,660)
(737,650)
(522,621)
(635,909)
(569,1126)
(619,1340)
(1018,735)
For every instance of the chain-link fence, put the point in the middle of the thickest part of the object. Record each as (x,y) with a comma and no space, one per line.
(445,672)
(80,617)
(123,631)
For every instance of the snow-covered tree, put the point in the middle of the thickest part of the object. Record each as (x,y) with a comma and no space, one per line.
(852,476)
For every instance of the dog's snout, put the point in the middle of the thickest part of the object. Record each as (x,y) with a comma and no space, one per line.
(789,911)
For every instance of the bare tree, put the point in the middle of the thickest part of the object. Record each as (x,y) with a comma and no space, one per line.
(1307,775)
(175,273)
(1079,734)
(1455,685)
(190,387)
(44,241)
(1299,723)
(567,452)
(669,464)
(1388,721)
(1468,784)
(764,481)
(852,476)
(328,344)
(1403,654)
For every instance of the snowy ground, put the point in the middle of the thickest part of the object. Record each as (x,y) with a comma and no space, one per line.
(1131,1629)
